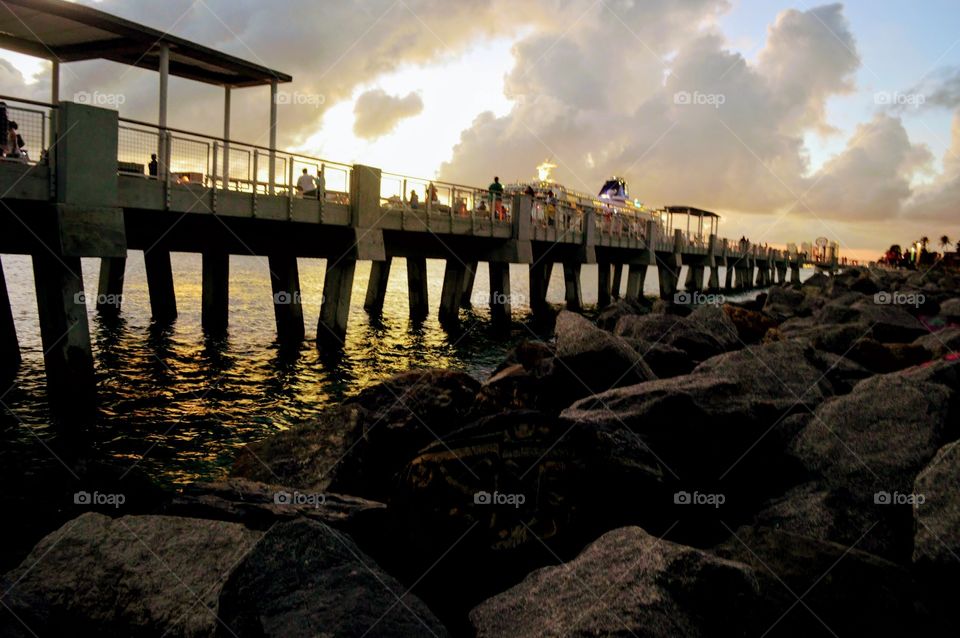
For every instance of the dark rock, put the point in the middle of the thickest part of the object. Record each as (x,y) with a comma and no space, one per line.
(626,582)
(844,591)
(941,342)
(694,338)
(782,303)
(936,544)
(305,579)
(872,442)
(129,576)
(751,325)
(665,361)
(950,310)
(609,316)
(886,357)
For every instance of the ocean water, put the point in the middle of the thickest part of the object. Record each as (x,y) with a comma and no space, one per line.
(178,404)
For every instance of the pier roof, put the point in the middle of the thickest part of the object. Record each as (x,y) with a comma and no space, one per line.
(689,210)
(67,32)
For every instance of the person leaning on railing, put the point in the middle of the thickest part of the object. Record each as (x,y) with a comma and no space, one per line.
(307,185)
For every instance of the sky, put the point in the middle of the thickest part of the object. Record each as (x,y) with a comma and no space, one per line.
(793,120)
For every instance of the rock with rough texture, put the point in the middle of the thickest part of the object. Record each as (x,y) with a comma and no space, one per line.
(130,576)
(873,442)
(696,338)
(665,361)
(609,316)
(591,360)
(626,583)
(888,323)
(751,326)
(305,579)
(845,591)
(941,342)
(950,310)
(402,415)
(937,540)
(782,303)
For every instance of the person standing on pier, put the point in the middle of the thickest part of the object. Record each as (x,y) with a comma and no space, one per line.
(496,196)
(4,123)
(153,166)
(307,185)
(414,199)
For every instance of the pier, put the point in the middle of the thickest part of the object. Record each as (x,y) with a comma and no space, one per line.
(88,191)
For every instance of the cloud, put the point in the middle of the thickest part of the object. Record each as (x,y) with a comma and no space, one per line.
(378,113)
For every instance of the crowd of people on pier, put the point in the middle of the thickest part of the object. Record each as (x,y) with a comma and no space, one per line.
(12,145)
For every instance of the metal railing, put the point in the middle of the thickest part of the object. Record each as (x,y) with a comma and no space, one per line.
(431,197)
(196,158)
(33,120)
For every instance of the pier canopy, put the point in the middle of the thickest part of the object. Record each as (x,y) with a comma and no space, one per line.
(63,31)
(712,224)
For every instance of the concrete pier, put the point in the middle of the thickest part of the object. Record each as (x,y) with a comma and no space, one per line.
(636,275)
(452,291)
(9,346)
(694,278)
(571,280)
(287,297)
(215,303)
(163,299)
(539,279)
(417,288)
(65,335)
(500,301)
(110,288)
(469,276)
(617,280)
(377,286)
(603,285)
(335,310)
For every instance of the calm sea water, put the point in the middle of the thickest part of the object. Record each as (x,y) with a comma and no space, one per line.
(178,404)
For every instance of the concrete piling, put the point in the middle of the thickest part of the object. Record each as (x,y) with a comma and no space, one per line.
(287,298)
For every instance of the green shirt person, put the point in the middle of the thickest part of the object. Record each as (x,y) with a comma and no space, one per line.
(496,188)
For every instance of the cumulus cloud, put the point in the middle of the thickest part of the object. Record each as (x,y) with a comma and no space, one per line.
(378,113)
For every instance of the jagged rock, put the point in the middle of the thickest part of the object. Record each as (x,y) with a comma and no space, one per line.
(782,302)
(626,582)
(936,543)
(874,441)
(751,325)
(693,337)
(305,579)
(888,323)
(886,357)
(844,591)
(129,576)
(665,361)
(941,342)
(950,310)
(608,317)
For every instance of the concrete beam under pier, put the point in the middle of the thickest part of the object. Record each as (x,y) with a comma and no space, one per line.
(9,346)
(795,272)
(617,280)
(163,300)
(215,301)
(65,334)
(335,310)
(377,286)
(636,275)
(451,294)
(287,306)
(466,293)
(500,306)
(540,273)
(417,288)
(781,272)
(603,285)
(694,279)
(110,288)
(571,280)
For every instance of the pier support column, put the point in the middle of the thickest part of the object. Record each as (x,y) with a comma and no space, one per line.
(538,286)
(636,274)
(287,307)
(335,309)
(65,334)
(110,288)
(714,283)
(9,346)
(377,286)
(603,285)
(728,277)
(781,272)
(617,280)
(163,300)
(417,288)
(669,281)
(215,302)
(694,279)
(452,291)
(466,293)
(795,272)
(500,310)
(571,279)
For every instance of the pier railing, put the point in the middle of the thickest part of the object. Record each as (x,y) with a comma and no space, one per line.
(33,121)
(432,199)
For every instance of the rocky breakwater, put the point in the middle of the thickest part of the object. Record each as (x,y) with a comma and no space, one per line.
(782,467)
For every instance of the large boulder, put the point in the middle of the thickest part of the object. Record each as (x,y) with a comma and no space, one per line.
(665,361)
(950,310)
(609,316)
(872,442)
(129,576)
(627,582)
(751,325)
(783,303)
(520,482)
(941,342)
(702,334)
(936,543)
(591,360)
(889,323)
(843,591)
(305,579)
